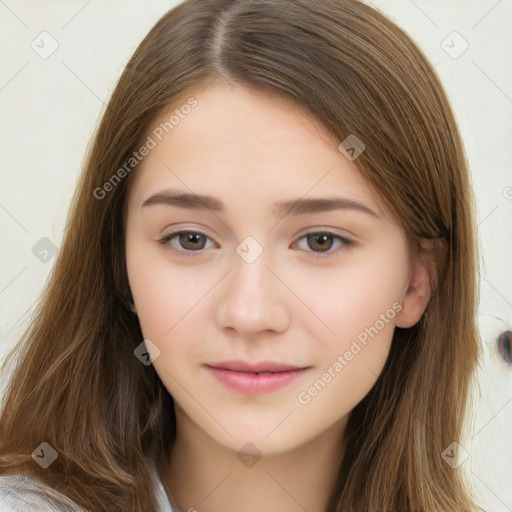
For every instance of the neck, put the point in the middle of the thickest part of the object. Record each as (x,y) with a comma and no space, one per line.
(206,476)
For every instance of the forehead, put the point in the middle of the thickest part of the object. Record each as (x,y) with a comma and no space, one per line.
(237,138)
(224,115)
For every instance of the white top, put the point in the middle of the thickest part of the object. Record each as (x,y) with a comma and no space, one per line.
(22,493)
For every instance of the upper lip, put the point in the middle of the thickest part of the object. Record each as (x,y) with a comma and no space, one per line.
(263,366)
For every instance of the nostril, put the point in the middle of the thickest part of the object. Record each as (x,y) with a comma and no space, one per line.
(504,347)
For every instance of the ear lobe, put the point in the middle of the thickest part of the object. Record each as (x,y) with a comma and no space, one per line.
(416,297)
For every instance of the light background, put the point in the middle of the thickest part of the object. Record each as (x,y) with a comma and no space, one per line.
(50,106)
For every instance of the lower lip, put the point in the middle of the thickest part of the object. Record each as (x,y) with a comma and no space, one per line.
(252,384)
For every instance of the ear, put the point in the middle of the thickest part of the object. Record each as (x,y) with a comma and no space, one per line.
(417,295)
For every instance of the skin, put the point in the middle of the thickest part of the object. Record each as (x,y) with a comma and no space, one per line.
(251,150)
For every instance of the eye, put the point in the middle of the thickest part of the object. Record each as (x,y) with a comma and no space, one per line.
(324,240)
(190,241)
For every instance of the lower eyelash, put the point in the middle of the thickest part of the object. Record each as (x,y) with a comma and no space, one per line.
(345,242)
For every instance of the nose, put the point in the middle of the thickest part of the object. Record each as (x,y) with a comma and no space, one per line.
(253,299)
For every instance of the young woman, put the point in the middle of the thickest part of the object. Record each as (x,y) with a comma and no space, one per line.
(266,295)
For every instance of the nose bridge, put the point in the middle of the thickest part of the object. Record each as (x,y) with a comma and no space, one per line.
(250,274)
(251,301)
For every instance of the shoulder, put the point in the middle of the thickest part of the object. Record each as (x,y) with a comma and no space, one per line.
(22,493)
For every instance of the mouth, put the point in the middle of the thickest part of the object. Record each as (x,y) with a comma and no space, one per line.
(255,378)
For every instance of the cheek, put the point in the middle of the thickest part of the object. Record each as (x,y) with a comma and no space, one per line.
(157,290)
(168,311)
(360,307)
(350,361)
(347,301)
(163,290)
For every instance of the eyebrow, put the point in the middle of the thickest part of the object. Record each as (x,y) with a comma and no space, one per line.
(173,197)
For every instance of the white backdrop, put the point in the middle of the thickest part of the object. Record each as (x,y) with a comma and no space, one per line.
(58,65)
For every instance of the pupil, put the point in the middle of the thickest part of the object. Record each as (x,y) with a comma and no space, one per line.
(322,238)
(192,238)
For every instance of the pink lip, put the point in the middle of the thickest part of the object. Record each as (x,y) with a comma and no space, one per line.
(241,377)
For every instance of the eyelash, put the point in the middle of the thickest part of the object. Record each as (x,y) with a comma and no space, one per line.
(347,243)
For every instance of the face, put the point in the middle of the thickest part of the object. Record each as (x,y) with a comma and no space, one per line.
(230,287)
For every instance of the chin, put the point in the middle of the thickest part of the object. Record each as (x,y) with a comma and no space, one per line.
(264,440)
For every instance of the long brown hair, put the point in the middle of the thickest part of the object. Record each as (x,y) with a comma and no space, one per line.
(77,384)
